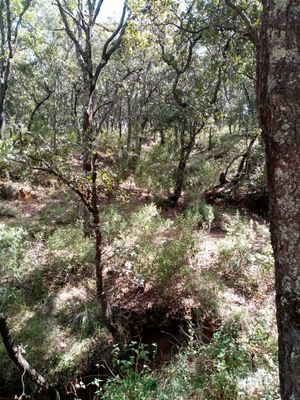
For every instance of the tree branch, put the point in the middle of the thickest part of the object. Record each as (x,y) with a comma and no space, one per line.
(251,30)
(24,366)
(106,52)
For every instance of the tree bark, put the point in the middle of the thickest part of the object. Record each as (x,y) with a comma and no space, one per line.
(278,93)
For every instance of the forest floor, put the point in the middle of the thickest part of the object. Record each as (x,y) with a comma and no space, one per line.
(218,278)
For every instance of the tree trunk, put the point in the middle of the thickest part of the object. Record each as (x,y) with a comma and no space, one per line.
(98,242)
(87,131)
(3,93)
(210,144)
(185,151)
(1,115)
(129,125)
(179,179)
(278,92)
(162,137)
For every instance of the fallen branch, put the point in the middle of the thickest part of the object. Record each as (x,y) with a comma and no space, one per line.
(24,366)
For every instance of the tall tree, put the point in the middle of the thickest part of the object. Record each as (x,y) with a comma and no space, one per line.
(79,25)
(279,107)
(11,17)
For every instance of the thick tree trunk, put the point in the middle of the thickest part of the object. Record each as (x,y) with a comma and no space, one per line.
(279,109)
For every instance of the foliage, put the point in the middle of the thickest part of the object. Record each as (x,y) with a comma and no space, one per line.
(132,378)
(13,246)
(151,257)
(199,215)
(112,222)
(69,247)
(7,212)
(221,369)
(57,214)
(175,104)
(220,363)
(243,254)
(155,168)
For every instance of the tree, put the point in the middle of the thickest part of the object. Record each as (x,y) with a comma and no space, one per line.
(279,107)
(79,25)
(196,61)
(11,17)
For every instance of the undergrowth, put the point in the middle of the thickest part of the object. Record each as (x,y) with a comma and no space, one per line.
(48,293)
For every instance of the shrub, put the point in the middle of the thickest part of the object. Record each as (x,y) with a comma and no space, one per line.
(112,222)
(153,250)
(220,364)
(7,212)
(69,246)
(57,214)
(244,254)
(171,261)
(155,169)
(132,378)
(201,175)
(13,245)
(199,215)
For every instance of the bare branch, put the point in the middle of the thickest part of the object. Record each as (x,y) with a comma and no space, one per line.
(108,52)
(97,10)
(47,167)
(69,31)
(37,107)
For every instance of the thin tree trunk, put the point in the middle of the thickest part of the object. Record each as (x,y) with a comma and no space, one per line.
(185,151)
(278,92)
(210,144)
(162,137)
(129,125)
(98,242)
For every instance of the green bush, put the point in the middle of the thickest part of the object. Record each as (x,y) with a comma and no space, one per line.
(13,246)
(132,378)
(221,363)
(245,255)
(201,175)
(199,215)
(156,250)
(155,169)
(69,246)
(112,222)
(57,214)
(152,249)
(171,262)
(7,212)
